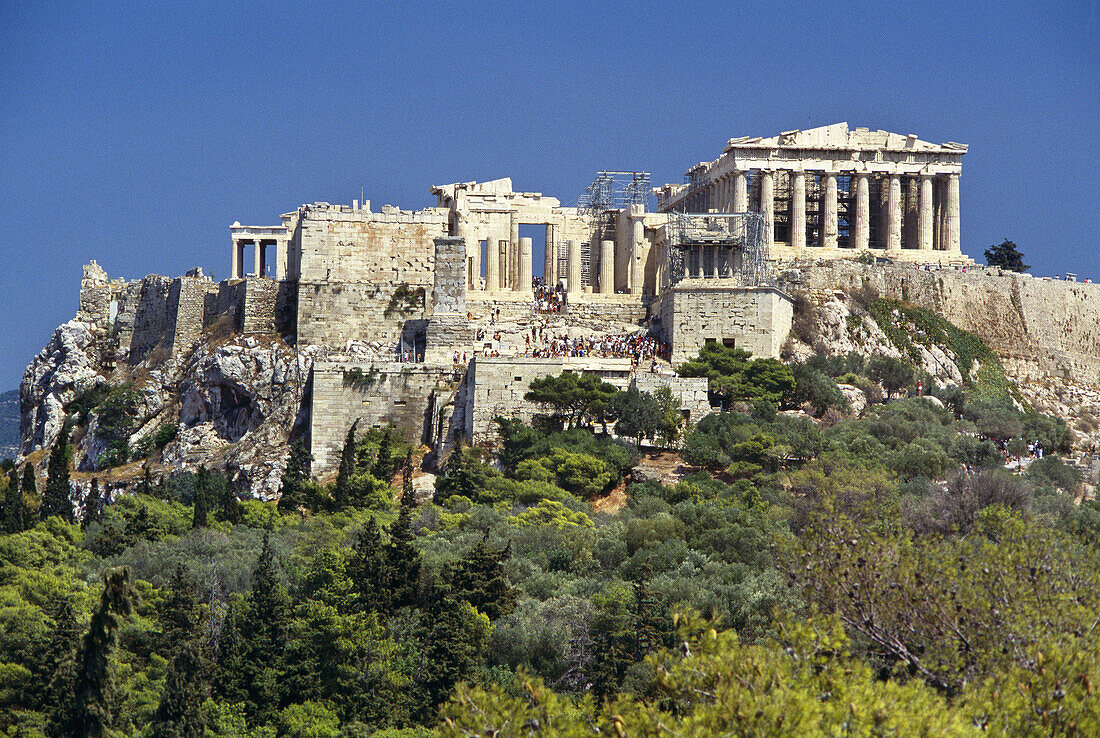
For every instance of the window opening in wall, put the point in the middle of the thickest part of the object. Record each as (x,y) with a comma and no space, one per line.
(537,234)
(815,191)
(728,342)
(845,210)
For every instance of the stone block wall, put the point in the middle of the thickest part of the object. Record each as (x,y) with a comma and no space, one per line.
(449,289)
(353,262)
(496,386)
(390,393)
(187,310)
(1038,326)
(622,308)
(260,296)
(757,319)
(143,316)
(692,392)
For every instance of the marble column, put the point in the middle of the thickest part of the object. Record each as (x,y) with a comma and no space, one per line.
(492,263)
(473,254)
(513,254)
(893,215)
(798,211)
(924,223)
(574,286)
(740,192)
(525,250)
(767,206)
(607,267)
(281,251)
(861,233)
(550,266)
(952,234)
(258,259)
(828,208)
(236,256)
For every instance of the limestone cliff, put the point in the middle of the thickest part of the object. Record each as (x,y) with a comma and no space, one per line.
(233,403)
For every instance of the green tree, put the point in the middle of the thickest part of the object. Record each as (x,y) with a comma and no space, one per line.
(383,465)
(179,615)
(29,490)
(1017,448)
(14,507)
(479,579)
(90,709)
(733,375)
(292,496)
(638,412)
(1006,256)
(180,712)
(342,493)
(456,637)
(202,500)
(264,629)
(894,374)
(93,505)
(368,570)
(57,500)
(670,421)
(459,476)
(402,558)
(816,388)
(576,397)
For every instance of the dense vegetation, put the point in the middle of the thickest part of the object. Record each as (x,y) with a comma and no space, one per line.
(866,576)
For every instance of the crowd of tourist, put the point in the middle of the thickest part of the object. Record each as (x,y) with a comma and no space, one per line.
(540,344)
(547,299)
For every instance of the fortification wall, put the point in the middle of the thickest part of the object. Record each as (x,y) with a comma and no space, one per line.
(353,262)
(622,308)
(693,312)
(387,393)
(1039,327)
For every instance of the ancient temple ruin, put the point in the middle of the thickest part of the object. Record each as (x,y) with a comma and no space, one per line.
(424,317)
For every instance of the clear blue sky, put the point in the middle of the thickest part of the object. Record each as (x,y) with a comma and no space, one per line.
(136,135)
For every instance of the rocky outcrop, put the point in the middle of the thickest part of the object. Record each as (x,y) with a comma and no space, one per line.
(65,369)
(235,404)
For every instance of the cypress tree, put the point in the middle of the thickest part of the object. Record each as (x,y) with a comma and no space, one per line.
(179,714)
(93,505)
(295,476)
(29,489)
(383,465)
(179,617)
(55,670)
(342,494)
(402,558)
(265,629)
(368,570)
(56,499)
(456,478)
(652,626)
(479,579)
(14,505)
(202,499)
(407,492)
(89,711)
(230,683)
(230,506)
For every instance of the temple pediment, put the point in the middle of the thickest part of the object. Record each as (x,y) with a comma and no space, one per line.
(840,136)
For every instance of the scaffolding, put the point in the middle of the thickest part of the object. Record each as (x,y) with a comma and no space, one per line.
(614,191)
(739,232)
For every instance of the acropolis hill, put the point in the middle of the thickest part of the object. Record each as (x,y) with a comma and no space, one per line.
(433,320)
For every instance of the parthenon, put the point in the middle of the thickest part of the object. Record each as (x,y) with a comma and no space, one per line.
(830,189)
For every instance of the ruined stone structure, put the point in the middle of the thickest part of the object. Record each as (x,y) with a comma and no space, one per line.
(829,190)
(389,305)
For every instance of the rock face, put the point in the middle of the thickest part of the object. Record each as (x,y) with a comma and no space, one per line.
(66,368)
(235,404)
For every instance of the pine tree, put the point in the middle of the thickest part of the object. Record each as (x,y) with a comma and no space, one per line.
(230,505)
(29,492)
(265,629)
(56,500)
(180,714)
(407,491)
(295,476)
(93,505)
(456,478)
(89,710)
(202,499)
(230,681)
(14,511)
(343,494)
(368,569)
(479,579)
(383,465)
(179,617)
(402,558)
